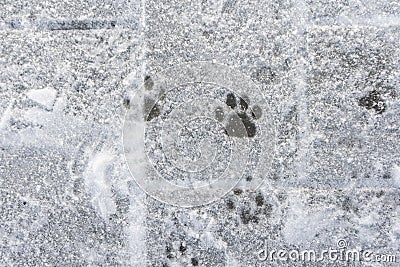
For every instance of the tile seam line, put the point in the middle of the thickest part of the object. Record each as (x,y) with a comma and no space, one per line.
(141,258)
(67,25)
(300,91)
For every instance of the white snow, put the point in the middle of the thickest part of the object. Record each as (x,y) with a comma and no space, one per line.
(396,175)
(5,117)
(304,222)
(45,96)
(98,185)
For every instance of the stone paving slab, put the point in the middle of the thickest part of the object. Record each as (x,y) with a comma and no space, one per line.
(353,107)
(70,10)
(62,96)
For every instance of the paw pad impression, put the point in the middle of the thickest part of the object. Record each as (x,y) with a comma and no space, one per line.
(241,115)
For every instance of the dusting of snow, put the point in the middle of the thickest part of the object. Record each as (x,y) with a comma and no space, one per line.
(45,96)
(396,175)
(98,184)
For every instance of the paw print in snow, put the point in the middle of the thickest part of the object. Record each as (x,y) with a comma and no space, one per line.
(240,122)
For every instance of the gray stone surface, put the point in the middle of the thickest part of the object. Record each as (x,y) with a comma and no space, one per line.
(329,71)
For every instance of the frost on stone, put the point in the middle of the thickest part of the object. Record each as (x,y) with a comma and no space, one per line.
(323,139)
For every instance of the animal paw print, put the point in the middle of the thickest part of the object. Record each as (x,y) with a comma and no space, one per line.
(241,120)
(374,101)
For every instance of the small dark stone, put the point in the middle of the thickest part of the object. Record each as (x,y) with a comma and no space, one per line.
(24,202)
(249,178)
(113,217)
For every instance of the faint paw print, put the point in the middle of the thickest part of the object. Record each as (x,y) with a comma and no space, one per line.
(241,114)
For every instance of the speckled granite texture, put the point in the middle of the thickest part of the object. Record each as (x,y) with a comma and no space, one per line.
(328,73)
